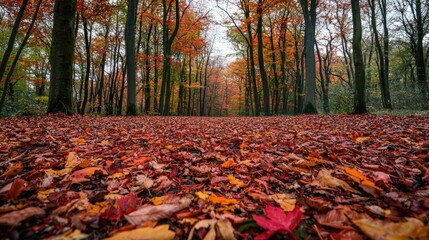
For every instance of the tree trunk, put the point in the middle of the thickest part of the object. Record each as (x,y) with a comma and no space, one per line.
(359,95)
(130,49)
(18,55)
(382,55)
(310,61)
(88,63)
(62,53)
(264,78)
(419,56)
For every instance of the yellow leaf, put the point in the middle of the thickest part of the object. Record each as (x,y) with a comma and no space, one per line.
(228,164)
(377,229)
(43,195)
(98,207)
(203,196)
(158,233)
(71,164)
(157,200)
(235,181)
(359,178)
(286,202)
(170,147)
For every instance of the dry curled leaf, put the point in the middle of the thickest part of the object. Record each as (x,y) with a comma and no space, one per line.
(156,213)
(325,179)
(376,229)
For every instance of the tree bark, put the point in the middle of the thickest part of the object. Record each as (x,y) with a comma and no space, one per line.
(310,61)
(130,49)
(62,53)
(359,95)
(264,77)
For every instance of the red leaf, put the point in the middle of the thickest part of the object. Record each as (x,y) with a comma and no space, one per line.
(126,205)
(15,190)
(277,221)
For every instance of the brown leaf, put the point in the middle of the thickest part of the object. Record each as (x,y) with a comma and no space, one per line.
(410,229)
(156,213)
(325,179)
(16,217)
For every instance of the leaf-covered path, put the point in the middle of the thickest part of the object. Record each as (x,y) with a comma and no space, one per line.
(346,176)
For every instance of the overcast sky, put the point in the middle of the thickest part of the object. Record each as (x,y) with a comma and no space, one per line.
(222,46)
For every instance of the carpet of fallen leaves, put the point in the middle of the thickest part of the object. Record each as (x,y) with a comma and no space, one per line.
(305,177)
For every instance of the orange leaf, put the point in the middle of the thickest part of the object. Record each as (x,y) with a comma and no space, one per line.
(359,178)
(83,175)
(13,171)
(229,163)
(222,200)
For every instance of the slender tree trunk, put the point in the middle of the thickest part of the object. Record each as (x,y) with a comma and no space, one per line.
(256,101)
(264,77)
(18,55)
(359,95)
(62,53)
(130,49)
(12,37)
(382,56)
(88,63)
(147,63)
(168,40)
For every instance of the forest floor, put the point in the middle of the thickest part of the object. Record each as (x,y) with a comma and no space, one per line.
(309,177)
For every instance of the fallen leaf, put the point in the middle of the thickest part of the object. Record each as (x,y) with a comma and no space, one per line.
(16,217)
(203,196)
(339,218)
(71,164)
(218,229)
(207,223)
(156,213)
(277,221)
(75,235)
(285,201)
(15,190)
(359,178)
(378,210)
(325,179)
(362,139)
(160,232)
(83,175)
(225,230)
(13,171)
(228,163)
(377,229)
(235,181)
(222,200)
(144,181)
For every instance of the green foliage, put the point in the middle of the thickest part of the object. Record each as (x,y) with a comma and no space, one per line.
(24,102)
(341,99)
